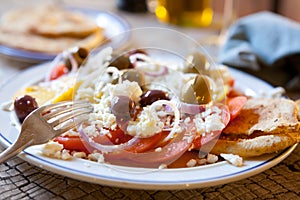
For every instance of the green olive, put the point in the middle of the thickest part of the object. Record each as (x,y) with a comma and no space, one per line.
(196,62)
(134,75)
(121,62)
(197,91)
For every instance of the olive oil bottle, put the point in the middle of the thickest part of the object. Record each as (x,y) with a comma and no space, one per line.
(190,13)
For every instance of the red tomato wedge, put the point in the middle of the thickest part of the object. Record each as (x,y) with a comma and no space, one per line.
(76,143)
(58,71)
(117,137)
(154,159)
(72,143)
(114,137)
(235,105)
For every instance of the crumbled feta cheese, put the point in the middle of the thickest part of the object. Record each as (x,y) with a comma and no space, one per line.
(65,155)
(146,125)
(79,154)
(128,88)
(233,159)
(211,158)
(158,149)
(162,166)
(55,150)
(191,163)
(98,157)
(209,121)
(51,148)
(202,161)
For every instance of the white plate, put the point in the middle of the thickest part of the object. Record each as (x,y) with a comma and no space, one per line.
(113,26)
(138,178)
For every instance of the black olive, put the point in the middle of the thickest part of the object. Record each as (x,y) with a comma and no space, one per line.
(24,106)
(124,109)
(151,96)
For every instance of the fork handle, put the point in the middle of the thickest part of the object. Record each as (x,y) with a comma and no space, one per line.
(13,150)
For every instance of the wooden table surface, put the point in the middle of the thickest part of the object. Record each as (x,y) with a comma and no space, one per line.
(21,180)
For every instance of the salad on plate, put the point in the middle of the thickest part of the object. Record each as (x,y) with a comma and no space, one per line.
(154,112)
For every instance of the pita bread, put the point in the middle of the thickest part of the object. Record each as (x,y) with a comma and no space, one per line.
(49,45)
(49,29)
(263,126)
(265,115)
(48,20)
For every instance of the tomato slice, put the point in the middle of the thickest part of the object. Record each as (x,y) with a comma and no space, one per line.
(154,159)
(72,143)
(145,144)
(117,137)
(235,105)
(75,143)
(58,71)
(114,138)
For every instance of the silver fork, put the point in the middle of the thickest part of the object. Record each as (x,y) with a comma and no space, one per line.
(47,122)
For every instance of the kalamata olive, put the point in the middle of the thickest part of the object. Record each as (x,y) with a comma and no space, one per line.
(80,54)
(151,96)
(121,62)
(196,62)
(24,106)
(197,91)
(134,75)
(124,109)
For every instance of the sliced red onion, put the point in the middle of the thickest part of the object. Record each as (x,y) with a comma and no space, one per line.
(160,157)
(163,70)
(176,115)
(192,109)
(139,57)
(105,148)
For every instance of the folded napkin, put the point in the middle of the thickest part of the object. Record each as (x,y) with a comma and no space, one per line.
(267,45)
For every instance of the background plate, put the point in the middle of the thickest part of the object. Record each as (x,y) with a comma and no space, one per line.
(137,178)
(113,25)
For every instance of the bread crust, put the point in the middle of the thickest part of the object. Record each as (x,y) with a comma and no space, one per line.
(263,126)
(256,146)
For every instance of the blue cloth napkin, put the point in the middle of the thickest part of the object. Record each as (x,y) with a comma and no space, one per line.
(265,44)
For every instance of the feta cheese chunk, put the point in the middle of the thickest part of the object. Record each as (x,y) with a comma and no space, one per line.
(233,159)
(130,89)
(146,125)
(209,121)
(55,150)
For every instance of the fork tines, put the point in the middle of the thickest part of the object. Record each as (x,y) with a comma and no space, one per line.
(64,116)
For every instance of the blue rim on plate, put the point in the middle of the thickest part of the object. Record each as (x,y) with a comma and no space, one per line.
(113,25)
